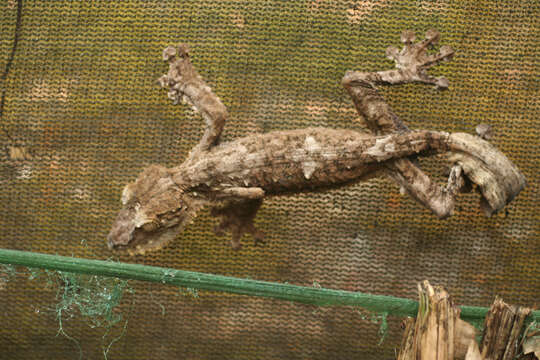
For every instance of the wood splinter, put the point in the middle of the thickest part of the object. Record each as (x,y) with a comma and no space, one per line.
(438,333)
(233,178)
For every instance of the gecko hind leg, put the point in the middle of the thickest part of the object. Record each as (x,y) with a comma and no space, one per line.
(237,217)
(411,65)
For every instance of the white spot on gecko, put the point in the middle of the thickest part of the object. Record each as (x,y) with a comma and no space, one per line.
(140,217)
(309,167)
(241,149)
(127,194)
(390,147)
(381,147)
(311,147)
(228,163)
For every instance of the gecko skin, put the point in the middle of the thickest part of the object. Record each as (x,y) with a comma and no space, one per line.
(233,178)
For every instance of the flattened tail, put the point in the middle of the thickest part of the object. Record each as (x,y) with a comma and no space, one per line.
(497,178)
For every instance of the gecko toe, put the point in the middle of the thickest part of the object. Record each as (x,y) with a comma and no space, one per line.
(407,37)
(415,59)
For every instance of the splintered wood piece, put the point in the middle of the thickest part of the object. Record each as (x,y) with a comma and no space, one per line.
(407,348)
(531,347)
(503,326)
(437,333)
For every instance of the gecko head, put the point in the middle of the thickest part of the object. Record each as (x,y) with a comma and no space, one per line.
(155,210)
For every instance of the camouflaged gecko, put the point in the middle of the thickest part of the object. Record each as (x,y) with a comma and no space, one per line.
(233,178)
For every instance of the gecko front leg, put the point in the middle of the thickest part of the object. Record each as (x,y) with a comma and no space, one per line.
(237,217)
(248,193)
(238,213)
(185,84)
(412,63)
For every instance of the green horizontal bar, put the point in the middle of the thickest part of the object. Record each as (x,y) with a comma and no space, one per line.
(201,281)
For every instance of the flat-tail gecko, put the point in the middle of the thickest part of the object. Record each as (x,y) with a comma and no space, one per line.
(233,178)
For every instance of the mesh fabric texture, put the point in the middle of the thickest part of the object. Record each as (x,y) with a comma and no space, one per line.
(83,115)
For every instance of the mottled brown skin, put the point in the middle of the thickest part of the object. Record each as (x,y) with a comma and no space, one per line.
(233,178)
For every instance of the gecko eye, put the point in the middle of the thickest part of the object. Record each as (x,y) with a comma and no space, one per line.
(150,226)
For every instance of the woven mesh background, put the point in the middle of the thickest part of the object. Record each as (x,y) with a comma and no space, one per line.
(83,115)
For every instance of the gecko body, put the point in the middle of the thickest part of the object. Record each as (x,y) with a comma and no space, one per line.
(234,177)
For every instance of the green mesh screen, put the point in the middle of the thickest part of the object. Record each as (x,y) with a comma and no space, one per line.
(83,115)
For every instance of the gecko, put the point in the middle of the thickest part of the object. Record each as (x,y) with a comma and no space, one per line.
(232,178)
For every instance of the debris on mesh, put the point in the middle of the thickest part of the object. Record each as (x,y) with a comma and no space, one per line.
(182,291)
(95,298)
(375,318)
(188,292)
(7,272)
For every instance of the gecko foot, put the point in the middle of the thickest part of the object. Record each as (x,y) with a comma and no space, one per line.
(237,218)
(414,60)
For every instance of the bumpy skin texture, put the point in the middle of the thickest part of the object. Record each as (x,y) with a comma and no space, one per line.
(233,178)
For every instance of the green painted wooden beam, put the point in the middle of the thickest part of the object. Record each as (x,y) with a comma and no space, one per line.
(201,281)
